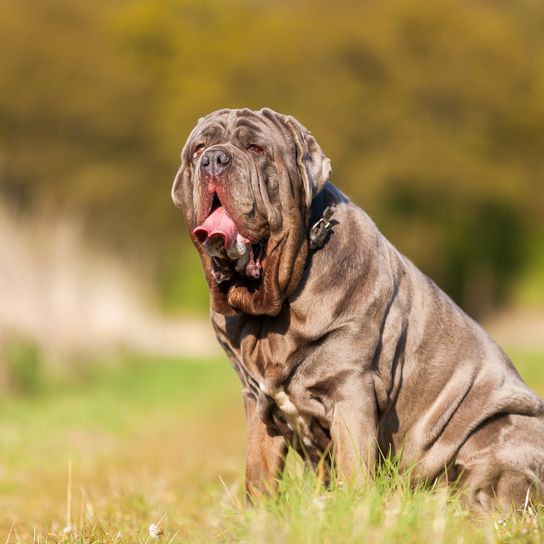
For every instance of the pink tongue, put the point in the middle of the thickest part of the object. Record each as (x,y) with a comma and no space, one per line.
(217,223)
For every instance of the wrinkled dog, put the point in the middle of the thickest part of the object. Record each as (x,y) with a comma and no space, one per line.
(342,345)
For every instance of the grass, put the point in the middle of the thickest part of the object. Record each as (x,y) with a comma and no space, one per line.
(163,441)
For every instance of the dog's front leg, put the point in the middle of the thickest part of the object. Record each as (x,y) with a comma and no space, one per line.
(265,453)
(354,431)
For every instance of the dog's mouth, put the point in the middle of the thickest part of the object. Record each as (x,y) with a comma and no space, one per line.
(234,258)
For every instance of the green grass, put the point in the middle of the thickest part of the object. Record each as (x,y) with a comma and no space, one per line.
(385,510)
(156,439)
(531,367)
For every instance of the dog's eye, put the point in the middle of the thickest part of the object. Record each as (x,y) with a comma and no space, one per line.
(197,151)
(256,149)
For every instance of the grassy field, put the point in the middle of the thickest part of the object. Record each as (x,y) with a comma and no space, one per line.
(162,441)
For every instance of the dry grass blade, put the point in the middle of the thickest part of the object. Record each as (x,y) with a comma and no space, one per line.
(10,530)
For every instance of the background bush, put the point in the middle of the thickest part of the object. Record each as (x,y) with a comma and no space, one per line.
(431,111)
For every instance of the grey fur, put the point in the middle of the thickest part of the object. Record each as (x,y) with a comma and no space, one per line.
(363,354)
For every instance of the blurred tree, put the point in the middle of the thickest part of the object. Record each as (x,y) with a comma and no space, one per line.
(431,111)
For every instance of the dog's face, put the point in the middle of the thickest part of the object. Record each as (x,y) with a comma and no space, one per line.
(245,185)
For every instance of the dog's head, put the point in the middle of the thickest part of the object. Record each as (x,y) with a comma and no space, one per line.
(245,185)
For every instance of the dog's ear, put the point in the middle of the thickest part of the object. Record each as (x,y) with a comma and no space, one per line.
(182,180)
(177,188)
(314,166)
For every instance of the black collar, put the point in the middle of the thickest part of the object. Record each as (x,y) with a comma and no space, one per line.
(320,224)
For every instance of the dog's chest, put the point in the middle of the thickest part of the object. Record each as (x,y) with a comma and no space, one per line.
(266,362)
(295,419)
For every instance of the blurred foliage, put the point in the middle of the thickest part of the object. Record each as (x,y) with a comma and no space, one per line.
(431,111)
(181,283)
(23,366)
(530,293)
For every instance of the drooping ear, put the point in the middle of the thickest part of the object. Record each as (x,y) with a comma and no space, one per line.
(182,182)
(182,192)
(177,188)
(314,166)
(181,185)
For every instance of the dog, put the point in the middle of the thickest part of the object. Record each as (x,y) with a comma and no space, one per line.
(344,349)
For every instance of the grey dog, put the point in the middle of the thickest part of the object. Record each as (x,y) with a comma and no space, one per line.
(342,345)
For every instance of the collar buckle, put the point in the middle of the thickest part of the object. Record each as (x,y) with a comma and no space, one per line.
(320,230)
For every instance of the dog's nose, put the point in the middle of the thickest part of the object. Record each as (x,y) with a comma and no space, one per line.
(215,161)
